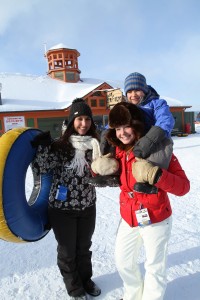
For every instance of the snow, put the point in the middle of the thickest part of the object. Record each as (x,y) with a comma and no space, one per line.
(28,92)
(172,101)
(29,271)
(60,46)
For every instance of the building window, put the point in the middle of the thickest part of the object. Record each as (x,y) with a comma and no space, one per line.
(93,103)
(69,64)
(97,93)
(77,76)
(58,64)
(59,75)
(30,122)
(70,76)
(102,102)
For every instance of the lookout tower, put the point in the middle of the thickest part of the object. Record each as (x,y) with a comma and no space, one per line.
(63,63)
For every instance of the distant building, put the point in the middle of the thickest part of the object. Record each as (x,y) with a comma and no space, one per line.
(43,101)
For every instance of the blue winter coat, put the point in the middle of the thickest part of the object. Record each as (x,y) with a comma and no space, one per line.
(157,112)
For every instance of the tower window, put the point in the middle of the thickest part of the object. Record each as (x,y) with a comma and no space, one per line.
(70,76)
(69,64)
(77,77)
(58,63)
(59,75)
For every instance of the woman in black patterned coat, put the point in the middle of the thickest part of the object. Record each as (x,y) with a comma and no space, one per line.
(72,200)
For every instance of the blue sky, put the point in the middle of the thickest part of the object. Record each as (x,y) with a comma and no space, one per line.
(158,38)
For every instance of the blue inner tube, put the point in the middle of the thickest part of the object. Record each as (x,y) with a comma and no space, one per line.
(26,219)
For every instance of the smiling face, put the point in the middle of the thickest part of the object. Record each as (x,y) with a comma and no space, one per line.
(135,96)
(125,134)
(82,124)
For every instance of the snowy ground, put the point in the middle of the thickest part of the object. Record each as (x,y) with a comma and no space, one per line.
(29,271)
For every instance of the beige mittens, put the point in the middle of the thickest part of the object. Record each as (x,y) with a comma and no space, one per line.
(105,165)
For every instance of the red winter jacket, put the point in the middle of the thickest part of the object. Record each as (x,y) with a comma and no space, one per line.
(172,181)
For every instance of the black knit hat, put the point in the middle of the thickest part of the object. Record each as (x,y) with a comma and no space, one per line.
(79,108)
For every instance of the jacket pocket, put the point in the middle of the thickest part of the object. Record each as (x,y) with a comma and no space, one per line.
(152,200)
(126,210)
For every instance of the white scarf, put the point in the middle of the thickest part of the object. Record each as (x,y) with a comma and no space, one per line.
(81,144)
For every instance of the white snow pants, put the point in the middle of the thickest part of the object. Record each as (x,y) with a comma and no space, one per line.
(155,239)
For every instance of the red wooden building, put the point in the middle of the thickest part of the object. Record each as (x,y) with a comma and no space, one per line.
(47,103)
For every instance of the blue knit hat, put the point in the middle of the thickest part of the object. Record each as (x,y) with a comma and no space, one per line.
(135,81)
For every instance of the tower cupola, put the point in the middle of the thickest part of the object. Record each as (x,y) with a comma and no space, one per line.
(63,63)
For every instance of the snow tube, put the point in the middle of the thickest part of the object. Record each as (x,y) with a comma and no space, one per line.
(21,220)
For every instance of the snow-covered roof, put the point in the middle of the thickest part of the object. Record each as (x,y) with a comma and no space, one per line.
(172,101)
(60,46)
(28,92)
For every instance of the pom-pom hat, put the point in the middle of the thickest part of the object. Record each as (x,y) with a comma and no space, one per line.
(135,81)
(79,108)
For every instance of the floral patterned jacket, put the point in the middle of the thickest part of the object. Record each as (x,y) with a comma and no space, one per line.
(80,194)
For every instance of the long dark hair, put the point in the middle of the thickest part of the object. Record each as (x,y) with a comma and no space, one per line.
(63,144)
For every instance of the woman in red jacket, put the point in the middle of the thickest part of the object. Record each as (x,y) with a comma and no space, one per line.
(146,218)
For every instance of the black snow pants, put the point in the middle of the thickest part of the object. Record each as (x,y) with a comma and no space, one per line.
(73,231)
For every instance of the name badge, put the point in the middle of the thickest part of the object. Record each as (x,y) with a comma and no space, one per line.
(61,194)
(142,216)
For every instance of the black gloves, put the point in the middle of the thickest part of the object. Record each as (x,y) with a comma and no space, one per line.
(147,144)
(43,139)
